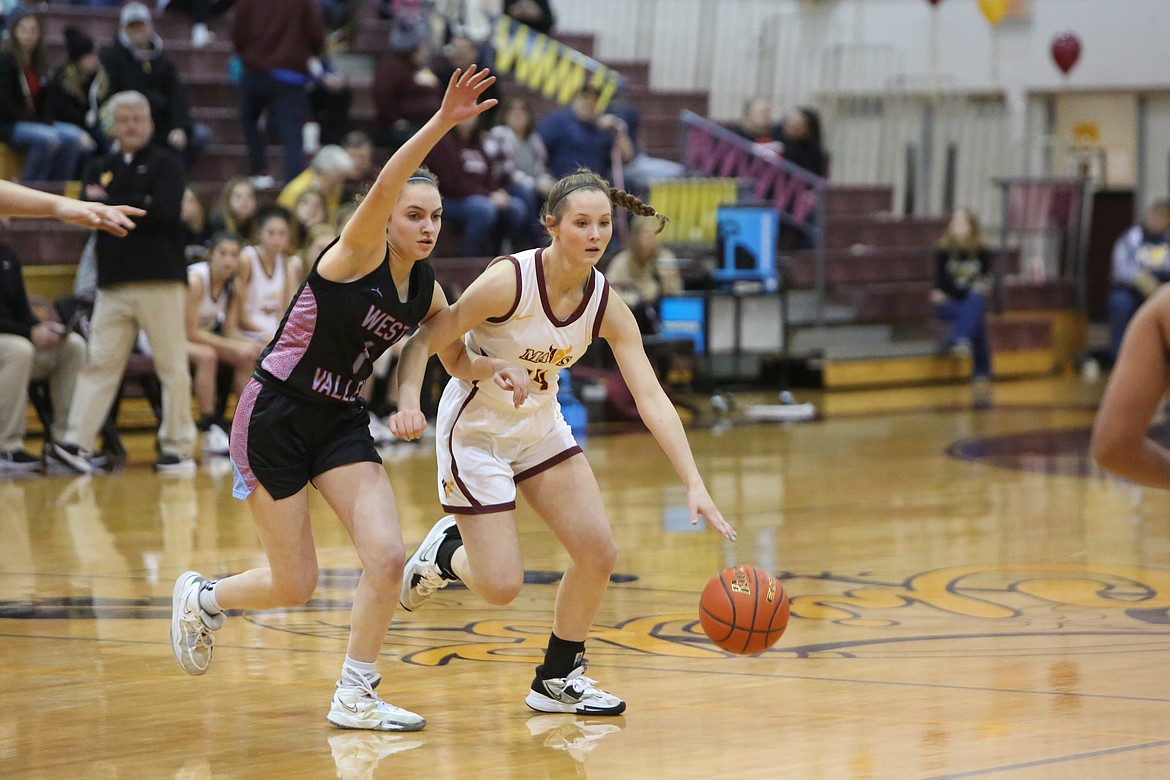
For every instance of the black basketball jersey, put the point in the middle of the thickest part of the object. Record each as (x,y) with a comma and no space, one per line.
(333,332)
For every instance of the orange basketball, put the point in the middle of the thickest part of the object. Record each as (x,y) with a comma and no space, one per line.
(743,610)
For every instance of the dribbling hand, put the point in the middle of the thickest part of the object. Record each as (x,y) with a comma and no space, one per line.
(699,503)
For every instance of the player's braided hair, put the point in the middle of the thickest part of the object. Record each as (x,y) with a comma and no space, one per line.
(583,179)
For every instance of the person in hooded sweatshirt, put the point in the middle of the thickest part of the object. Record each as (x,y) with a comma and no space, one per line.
(78,87)
(137,62)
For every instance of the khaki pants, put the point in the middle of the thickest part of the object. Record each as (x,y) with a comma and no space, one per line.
(119,313)
(21,363)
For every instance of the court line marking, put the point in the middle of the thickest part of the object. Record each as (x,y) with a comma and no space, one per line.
(1051,761)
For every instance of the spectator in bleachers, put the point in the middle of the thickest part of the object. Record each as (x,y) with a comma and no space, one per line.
(330,98)
(308,213)
(537,14)
(960,294)
(195,229)
(320,236)
(53,148)
(360,149)
(269,276)
(579,136)
(236,210)
(137,61)
(276,40)
(330,169)
(643,272)
(800,137)
(516,149)
(78,87)
(30,349)
(475,200)
(642,168)
(141,285)
(1141,264)
(201,12)
(213,313)
(405,91)
(758,126)
(462,51)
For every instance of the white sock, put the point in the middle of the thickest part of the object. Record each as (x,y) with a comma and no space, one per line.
(353,669)
(207,600)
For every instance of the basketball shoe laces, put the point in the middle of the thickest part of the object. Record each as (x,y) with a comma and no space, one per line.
(199,634)
(431,581)
(577,685)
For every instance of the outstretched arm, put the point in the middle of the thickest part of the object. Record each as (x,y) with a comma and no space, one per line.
(16,200)
(620,329)
(443,331)
(1140,379)
(363,241)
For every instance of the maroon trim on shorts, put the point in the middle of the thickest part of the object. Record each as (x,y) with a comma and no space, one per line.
(600,311)
(560,457)
(479,509)
(585,298)
(519,286)
(475,504)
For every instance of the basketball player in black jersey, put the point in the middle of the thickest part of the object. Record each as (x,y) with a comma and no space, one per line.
(300,420)
(1140,380)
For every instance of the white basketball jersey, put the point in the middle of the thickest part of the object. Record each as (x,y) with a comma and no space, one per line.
(265,302)
(212,311)
(530,335)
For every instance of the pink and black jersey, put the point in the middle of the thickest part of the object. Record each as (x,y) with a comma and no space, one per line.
(333,332)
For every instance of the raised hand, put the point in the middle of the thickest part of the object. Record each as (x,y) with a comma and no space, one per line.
(463,90)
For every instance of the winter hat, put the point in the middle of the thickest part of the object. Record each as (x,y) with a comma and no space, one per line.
(77,44)
(134,13)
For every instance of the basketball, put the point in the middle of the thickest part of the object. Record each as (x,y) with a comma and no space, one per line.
(743,610)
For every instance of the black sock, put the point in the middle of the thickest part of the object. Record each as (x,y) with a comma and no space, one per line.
(205,422)
(447,548)
(561,657)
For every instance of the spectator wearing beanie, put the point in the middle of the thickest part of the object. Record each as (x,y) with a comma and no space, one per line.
(79,86)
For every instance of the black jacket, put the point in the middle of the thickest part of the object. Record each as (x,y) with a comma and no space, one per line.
(156,78)
(16,316)
(153,180)
(15,105)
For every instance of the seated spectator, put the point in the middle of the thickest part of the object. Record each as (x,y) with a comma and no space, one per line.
(405,91)
(78,87)
(516,149)
(53,148)
(330,169)
(462,51)
(537,14)
(268,277)
(579,136)
(201,12)
(308,213)
(800,136)
(960,295)
(1141,264)
(275,41)
(475,202)
(236,210)
(30,349)
(641,169)
(196,229)
(643,272)
(360,149)
(136,61)
(213,313)
(319,239)
(757,125)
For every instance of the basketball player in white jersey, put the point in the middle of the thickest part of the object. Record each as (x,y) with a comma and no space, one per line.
(540,309)
(268,277)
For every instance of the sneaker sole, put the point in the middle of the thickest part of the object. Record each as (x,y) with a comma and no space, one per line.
(346,721)
(176,631)
(542,703)
(411,562)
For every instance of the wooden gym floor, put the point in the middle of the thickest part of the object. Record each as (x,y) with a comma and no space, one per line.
(970,599)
